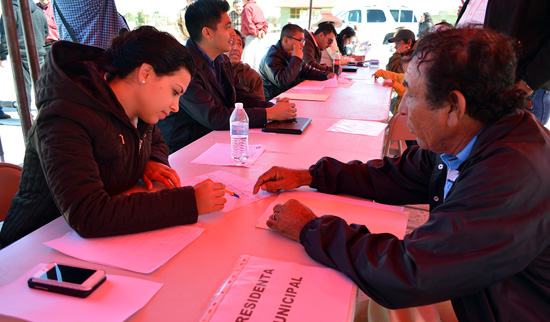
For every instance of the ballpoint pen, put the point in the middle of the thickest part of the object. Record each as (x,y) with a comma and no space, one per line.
(229,192)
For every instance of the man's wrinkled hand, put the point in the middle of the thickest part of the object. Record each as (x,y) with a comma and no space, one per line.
(278,178)
(290,218)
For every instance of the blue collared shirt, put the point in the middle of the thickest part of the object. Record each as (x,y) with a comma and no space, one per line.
(453,163)
(215,65)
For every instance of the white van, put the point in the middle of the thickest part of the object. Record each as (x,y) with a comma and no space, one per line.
(376,23)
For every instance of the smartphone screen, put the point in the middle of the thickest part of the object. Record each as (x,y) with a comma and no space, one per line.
(62,273)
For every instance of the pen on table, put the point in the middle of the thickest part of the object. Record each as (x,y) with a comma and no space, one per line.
(231,193)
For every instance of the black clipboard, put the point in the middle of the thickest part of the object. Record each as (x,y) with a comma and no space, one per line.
(294,126)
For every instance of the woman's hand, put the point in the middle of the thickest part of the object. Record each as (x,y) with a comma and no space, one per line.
(210,197)
(162,173)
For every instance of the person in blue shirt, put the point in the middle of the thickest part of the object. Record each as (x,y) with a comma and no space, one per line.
(482,166)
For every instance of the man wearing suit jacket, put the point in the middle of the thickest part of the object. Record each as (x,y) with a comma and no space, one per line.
(211,96)
(283,67)
(323,37)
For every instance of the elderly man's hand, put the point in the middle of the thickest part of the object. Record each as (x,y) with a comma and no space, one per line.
(278,178)
(290,218)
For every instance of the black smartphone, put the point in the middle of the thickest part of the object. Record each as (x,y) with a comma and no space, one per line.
(68,280)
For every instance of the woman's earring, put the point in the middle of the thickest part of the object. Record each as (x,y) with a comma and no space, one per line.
(143,82)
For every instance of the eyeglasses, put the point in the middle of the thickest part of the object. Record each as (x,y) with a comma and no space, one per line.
(302,41)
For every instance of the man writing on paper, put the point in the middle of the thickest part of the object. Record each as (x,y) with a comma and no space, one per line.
(482,165)
(283,66)
(210,98)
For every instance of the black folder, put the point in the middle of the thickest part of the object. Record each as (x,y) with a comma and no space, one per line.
(352,69)
(294,126)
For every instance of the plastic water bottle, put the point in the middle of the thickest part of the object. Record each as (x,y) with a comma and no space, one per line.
(238,126)
(336,63)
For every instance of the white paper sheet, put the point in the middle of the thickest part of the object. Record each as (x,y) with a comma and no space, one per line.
(118,298)
(239,185)
(369,128)
(220,154)
(310,85)
(142,253)
(262,289)
(378,218)
(305,97)
(331,82)
(345,82)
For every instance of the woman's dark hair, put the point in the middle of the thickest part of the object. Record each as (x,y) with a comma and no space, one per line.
(148,45)
(478,62)
(204,13)
(428,17)
(348,32)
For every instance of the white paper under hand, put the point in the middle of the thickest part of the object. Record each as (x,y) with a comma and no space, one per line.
(239,185)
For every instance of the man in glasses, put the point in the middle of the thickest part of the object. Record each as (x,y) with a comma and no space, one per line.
(316,42)
(284,64)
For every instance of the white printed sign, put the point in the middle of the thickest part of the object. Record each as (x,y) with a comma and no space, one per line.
(262,289)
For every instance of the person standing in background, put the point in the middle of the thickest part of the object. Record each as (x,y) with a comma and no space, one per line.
(235,15)
(254,29)
(40,28)
(53,34)
(183,34)
(92,22)
(425,25)
(527,21)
